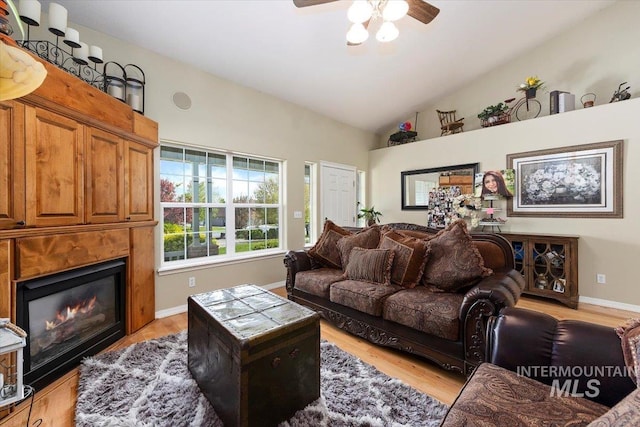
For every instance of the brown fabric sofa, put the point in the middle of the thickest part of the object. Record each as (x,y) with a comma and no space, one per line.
(447,327)
(548,372)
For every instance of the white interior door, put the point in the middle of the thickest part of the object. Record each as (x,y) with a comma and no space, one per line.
(338,194)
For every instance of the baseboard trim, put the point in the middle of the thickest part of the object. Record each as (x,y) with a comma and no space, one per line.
(183,308)
(611,304)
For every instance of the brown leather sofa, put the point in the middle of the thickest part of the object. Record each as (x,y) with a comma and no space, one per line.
(548,372)
(445,327)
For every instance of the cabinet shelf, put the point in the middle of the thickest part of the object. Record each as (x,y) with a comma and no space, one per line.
(550,261)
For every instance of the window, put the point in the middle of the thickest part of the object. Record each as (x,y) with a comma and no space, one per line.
(217,205)
(360,197)
(309,208)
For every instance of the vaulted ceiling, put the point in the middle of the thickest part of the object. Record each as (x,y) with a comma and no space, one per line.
(300,54)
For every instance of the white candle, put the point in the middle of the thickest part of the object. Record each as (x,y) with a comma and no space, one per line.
(115,91)
(72,37)
(95,53)
(134,101)
(57,19)
(29,11)
(81,53)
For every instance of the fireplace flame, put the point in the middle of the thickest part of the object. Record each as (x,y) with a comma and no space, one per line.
(69,312)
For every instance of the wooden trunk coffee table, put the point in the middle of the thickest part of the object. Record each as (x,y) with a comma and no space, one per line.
(254,354)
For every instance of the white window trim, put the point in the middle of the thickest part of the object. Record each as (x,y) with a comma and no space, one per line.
(231,257)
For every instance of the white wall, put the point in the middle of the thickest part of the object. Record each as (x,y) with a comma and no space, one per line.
(595,56)
(225,115)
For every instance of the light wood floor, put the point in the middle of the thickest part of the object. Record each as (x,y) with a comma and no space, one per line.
(55,404)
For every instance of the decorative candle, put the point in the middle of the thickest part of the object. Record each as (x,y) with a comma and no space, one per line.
(80,54)
(72,37)
(95,54)
(29,11)
(115,91)
(57,19)
(134,101)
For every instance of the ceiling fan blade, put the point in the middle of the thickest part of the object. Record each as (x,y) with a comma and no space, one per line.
(305,3)
(422,11)
(366,26)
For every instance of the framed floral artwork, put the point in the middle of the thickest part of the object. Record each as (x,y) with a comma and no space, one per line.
(580,181)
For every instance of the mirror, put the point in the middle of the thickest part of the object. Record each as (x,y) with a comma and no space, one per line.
(417,184)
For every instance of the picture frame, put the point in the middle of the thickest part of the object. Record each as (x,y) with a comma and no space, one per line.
(579,181)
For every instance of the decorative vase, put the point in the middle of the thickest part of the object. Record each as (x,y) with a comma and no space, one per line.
(541,281)
(530,93)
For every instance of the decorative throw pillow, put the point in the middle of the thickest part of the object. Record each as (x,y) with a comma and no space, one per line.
(454,261)
(629,334)
(325,251)
(370,265)
(369,238)
(411,255)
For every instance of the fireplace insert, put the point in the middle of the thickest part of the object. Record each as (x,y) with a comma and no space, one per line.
(69,316)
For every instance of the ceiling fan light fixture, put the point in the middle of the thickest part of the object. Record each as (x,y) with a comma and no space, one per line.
(360,11)
(387,32)
(394,10)
(357,34)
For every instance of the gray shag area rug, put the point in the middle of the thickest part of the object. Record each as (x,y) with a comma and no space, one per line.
(149,384)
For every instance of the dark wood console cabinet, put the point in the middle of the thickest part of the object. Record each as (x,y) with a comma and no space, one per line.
(549,264)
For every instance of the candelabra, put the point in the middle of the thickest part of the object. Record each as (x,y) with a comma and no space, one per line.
(82,60)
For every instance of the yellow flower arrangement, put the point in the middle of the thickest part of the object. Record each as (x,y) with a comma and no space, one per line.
(532,82)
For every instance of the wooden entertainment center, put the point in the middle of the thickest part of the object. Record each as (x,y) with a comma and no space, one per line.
(76,173)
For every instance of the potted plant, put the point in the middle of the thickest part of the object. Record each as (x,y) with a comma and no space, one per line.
(494,115)
(371,215)
(530,86)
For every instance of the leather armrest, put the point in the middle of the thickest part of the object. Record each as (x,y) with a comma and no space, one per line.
(503,289)
(485,299)
(519,339)
(295,261)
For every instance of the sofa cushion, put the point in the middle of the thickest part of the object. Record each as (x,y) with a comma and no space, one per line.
(411,254)
(362,296)
(625,413)
(326,250)
(369,238)
(630,338)
(421,309)
(454,261)
(370,265)
(495,396)
(317,281)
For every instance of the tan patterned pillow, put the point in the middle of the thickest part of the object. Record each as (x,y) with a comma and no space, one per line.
(629,335)
(411,254)
(325,251)
(370,265)
(369,238)
(454,261)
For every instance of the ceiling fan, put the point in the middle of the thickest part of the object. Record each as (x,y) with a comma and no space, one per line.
(364,12)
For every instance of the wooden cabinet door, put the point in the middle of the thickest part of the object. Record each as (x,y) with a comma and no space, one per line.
(54,169)
(6,267)
(141,288)
(138,182)
(104,196)
(11,165)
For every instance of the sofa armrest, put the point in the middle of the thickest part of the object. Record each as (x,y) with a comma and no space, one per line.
(295,261)
(485,299)
(530,343)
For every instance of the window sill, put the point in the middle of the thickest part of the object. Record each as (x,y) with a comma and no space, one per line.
(208,263)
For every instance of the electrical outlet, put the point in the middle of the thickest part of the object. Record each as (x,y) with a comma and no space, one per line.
(192,282)
(297,214)
(601,278)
